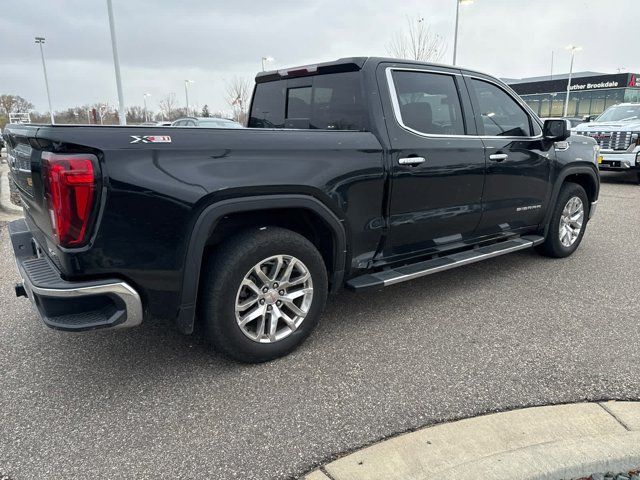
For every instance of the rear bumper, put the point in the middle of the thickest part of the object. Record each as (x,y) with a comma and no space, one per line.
(71,306)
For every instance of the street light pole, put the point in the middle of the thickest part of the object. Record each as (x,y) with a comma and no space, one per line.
(144,99)
(455,37)
(573,49)
(122,115)
(186,93)
(40,41)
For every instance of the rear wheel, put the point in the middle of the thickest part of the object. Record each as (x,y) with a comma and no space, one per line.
(568,222)
(263,294)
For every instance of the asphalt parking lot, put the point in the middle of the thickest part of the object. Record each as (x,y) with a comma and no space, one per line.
(514,331)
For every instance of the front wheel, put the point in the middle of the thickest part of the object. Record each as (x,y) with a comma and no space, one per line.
(568,222)
(264,292)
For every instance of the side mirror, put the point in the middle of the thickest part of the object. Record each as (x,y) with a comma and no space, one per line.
(588,118)
(556,129)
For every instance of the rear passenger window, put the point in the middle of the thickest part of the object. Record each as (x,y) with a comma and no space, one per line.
(328,102)
(429,102)
(501,114)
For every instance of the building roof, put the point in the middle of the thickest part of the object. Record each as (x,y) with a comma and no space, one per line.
(559,76)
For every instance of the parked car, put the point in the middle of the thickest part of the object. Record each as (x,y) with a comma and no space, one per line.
(359,173)
(206,122)
(164,123)
(617,131)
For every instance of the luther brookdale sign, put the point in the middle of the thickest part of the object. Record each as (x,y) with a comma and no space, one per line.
(592,86)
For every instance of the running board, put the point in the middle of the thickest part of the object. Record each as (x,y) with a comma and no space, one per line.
(385,278)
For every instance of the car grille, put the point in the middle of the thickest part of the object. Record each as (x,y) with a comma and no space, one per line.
(611,140)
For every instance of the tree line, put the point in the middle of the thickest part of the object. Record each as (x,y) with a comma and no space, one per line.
(97,114)
(237,93)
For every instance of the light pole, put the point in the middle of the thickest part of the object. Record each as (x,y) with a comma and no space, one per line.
(573,49)
(186,93)
(122,115)
(455,38)
(265,60)
(40,41)
(144,99)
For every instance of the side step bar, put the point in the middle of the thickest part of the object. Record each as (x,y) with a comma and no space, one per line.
(385,278)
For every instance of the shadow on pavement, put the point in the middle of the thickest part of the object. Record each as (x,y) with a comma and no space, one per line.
(619,177)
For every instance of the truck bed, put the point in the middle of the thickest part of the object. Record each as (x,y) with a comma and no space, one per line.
(150,194)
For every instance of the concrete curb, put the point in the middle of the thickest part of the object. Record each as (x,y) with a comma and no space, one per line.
(5,200)
(553,442)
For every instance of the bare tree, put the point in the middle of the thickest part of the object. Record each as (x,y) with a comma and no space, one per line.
(168,106)
(136,114)
(12,104)
(417,42)
(238,93)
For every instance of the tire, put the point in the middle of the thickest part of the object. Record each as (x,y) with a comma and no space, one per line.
(223,290)
(553,246)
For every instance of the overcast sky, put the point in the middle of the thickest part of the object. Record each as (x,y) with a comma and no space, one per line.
(163,42)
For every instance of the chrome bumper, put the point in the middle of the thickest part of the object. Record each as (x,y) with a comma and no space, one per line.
(66,305)
(618,161)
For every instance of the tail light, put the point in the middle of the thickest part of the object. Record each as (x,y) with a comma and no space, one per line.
(70,191)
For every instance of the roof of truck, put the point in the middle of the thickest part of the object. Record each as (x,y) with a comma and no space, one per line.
(346,64)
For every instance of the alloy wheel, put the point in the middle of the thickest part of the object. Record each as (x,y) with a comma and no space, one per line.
(571,221)
(274,298)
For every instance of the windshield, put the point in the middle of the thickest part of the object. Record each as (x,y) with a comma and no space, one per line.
(620,113)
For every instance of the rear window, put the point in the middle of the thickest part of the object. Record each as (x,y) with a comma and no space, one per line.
(324,102)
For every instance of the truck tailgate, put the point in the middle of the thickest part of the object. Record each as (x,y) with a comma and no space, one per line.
(59,186)
(24,158)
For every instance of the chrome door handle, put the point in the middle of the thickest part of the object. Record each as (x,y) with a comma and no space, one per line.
(411,160)
(498,157)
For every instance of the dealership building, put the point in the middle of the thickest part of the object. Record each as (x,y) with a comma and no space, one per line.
(591,92)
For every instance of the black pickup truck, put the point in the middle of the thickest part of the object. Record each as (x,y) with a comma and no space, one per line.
(358,173)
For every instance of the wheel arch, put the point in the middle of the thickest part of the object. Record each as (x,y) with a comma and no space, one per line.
(252,210)
(584,175)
